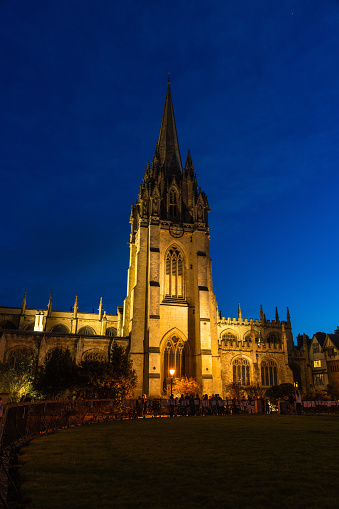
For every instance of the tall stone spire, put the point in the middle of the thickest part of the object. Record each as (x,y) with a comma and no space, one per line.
(167,150)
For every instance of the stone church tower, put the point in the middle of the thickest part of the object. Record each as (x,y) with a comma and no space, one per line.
(170,308)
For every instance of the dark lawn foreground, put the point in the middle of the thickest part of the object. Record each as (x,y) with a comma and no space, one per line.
(227,462)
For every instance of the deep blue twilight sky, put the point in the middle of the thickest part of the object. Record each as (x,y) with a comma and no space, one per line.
(255,87)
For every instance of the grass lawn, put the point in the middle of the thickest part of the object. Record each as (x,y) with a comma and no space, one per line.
(255,461)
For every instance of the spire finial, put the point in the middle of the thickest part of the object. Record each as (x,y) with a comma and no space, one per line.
(169,78)
(23,305)
(49,308)
(288,317)
(100,308)
(239,313)
(277,315)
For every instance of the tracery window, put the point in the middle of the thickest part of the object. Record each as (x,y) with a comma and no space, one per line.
(269,373)
(174,273)
(7,325)
(111,331)
(86,331)
(60,328)
(174,357)
(273,338)
(173,204)
(22,355)
(95,355)
(230,336)
(252,335)
(241,371)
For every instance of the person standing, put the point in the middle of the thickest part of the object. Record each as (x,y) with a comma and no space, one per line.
(298,402)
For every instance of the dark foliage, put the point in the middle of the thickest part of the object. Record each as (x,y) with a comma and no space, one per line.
(57,375)
(279,391)
(115,379)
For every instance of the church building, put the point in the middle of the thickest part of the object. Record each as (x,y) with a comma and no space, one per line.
(169,320)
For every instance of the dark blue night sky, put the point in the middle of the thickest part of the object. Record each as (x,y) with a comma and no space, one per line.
(255,87)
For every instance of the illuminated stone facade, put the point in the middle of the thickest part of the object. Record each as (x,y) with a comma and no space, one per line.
(170,317)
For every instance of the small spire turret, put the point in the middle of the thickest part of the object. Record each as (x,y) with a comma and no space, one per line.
(288,317)
(261,314)
(23,305)
(100,309)
(189,170)
(75,310)
(49,308)
(239,313)
(277,315)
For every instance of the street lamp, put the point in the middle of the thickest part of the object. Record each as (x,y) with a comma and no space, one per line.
(172,371)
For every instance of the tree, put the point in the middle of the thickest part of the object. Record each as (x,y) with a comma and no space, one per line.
(115,379)
(333,389)
(17,375)
(57,376)
(279,391)
(185,386)
(254,391)
(314,394)
(234,390)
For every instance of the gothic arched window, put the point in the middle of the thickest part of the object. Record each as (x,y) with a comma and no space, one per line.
(273,338)
(173,204)
(60,328)
(229,336)
(22,355)
(111,331)
(86,331)
(269,373)
(94,355)
(174,274)
(241,371)
(251,336)
(174,357)
(7,325)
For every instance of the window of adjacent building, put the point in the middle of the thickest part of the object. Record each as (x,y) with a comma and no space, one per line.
(269,373)
(317,364)
(318,379)
(241,371)
(316,348)
(174,357)
(174,273)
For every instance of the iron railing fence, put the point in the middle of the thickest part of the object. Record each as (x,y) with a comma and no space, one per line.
(25,421)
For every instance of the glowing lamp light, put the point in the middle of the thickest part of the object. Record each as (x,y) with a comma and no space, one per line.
(172,371)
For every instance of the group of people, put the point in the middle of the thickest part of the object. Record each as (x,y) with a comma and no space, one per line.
(294,403)
(191,405)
